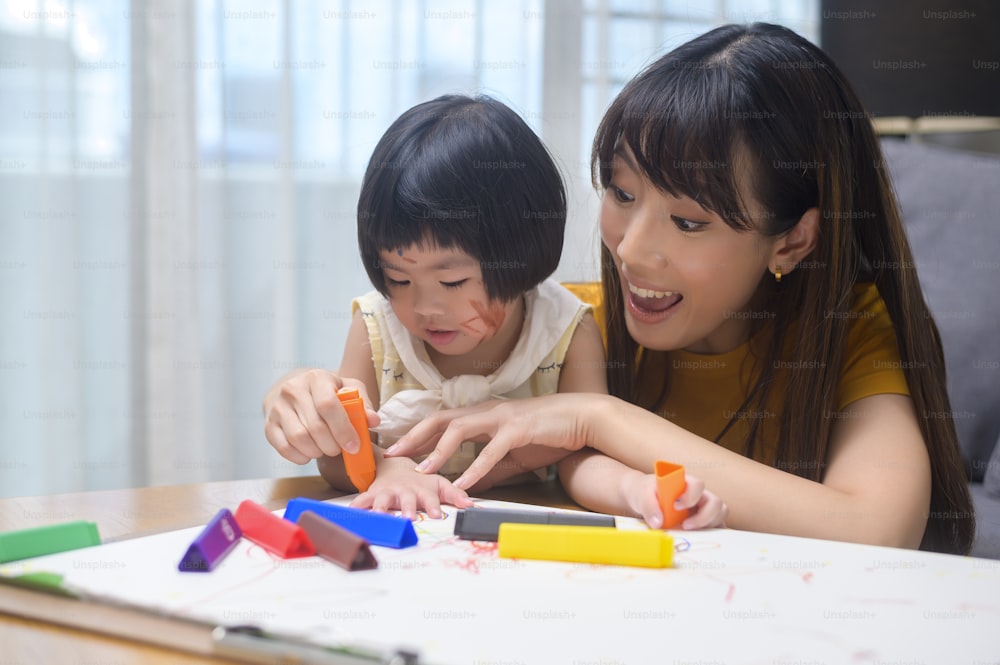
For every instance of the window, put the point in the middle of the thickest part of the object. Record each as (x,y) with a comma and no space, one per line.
(177,195)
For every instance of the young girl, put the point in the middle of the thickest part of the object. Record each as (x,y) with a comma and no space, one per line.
(460,224)
(766,326)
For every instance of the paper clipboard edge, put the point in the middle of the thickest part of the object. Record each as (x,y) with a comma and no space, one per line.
(250,644)
(136,624)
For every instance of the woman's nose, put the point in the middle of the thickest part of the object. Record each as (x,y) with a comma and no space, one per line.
(642,242)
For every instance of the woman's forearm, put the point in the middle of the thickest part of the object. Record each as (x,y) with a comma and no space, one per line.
(598,482)
(760,497)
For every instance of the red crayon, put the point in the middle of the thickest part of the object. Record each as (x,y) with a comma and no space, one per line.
(360,466)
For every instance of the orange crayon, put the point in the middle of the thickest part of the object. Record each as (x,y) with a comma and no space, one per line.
(360,466)
(670,485)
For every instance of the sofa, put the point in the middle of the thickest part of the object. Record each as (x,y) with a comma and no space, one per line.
(950,205)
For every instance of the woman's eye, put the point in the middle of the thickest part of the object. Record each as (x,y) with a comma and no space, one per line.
(687,224)
(621,195)
(454,285)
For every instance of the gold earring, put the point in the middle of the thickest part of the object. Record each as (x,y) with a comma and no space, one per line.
(777,274)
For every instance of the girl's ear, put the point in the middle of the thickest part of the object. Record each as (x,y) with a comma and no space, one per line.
(796,244)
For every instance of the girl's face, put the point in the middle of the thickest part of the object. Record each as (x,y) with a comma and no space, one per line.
(439,296)
(687,277)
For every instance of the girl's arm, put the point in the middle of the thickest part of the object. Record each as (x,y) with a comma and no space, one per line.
(584,366)
(397,486)
(876,487)
(303,416)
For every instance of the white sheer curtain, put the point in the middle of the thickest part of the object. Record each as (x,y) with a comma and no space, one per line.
(177,192)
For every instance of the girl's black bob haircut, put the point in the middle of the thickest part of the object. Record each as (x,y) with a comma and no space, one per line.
(466,173)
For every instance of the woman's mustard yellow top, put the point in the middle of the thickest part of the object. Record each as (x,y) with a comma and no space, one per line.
(707,391)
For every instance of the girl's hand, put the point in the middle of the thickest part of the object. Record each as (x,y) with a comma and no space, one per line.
(399,487)
(558,421)
(304,419)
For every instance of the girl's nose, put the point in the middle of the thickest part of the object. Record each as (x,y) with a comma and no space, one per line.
(427,303)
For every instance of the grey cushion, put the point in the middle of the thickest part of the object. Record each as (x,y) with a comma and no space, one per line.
(991,479)
(987,543)
(950,204)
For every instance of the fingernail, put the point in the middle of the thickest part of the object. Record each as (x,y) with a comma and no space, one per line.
(352,446)
(656,521)
(461,483)
(422,466)
(391,449)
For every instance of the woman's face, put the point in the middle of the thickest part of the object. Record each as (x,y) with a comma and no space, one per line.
(687,277)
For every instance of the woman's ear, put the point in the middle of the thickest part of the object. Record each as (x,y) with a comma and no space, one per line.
(796,244)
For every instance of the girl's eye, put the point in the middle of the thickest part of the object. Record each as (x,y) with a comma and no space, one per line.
(454,285)
(397,282)
(621,195)
(687,224)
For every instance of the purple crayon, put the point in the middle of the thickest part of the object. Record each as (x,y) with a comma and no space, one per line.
(212,545)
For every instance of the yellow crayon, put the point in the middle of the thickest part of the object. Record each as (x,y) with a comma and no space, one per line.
(587,544)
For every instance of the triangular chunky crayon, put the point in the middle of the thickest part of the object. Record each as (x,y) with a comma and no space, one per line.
(274,534)
(376,528)
(28,543)
(670,485)
(212,545)
(337,544)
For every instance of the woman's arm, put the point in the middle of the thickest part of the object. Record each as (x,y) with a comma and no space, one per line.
(876,488)
(583,371)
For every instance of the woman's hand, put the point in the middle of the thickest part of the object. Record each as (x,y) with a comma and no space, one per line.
(304,419)
(557,421)
(705,509)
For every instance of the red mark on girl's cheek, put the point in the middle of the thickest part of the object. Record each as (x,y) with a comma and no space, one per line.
(492,315)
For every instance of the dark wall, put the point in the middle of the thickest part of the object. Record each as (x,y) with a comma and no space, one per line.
(917,57)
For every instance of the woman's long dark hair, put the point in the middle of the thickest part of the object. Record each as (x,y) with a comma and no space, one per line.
(761,103)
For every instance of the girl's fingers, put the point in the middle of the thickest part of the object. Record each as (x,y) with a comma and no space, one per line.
(385,501)
(276,437)
(408,504)
(298,435)
(327,420)
(363,500)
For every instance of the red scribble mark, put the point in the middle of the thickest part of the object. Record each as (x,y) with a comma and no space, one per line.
(480,550)
(484,547)
(807,577)
(468,565)
(730,592)
(493,315)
